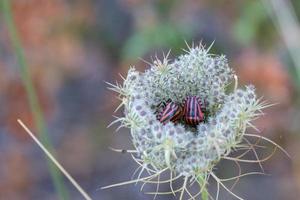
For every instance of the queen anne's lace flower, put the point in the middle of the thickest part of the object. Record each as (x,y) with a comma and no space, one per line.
(189,152)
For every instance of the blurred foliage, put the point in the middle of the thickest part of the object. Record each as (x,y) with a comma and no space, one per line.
(32,98)
(296,6)
(253,26)
(161,36)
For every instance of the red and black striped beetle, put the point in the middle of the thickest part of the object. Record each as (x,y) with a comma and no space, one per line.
(171,112)
(192,111)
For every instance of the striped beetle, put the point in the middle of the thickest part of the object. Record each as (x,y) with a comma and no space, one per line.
(170,112)
(193,111)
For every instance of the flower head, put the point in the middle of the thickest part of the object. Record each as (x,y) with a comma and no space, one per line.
(188,151)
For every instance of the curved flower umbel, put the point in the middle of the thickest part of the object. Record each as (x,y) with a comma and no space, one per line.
(186,151)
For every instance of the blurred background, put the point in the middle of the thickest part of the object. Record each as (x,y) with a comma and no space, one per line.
(70,48)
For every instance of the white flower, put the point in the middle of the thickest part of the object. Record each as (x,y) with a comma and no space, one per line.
(186,151)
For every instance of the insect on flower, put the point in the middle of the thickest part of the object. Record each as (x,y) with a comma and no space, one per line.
(192,111)
(170,112)
(184,150)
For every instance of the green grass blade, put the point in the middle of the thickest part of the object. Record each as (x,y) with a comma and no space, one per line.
(32,97)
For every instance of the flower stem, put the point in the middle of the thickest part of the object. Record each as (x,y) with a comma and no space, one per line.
(202,183)
(204,194)
(31,95)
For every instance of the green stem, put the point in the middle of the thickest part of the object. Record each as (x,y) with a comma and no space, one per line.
(202,184)
(204,194)
(32,97)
